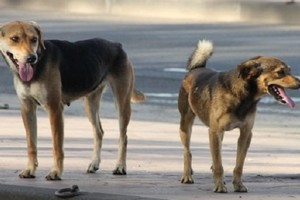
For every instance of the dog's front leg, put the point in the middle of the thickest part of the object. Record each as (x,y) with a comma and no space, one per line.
(243,145)
(215,141)
(57,129)
(28,112)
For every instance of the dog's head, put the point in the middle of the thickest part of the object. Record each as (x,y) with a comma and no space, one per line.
(272,76)
(20,43)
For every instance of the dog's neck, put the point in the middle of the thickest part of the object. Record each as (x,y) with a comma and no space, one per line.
(246,91)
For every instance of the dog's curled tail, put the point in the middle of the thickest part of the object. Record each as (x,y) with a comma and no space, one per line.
(137,96)
(200,55)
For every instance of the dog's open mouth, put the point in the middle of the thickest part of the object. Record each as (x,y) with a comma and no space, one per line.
(25,69)
(280,95)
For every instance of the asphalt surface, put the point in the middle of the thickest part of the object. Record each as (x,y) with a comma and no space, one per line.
(159,51)
(8,192)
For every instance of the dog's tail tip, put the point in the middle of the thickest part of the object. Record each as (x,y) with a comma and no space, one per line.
(137,96)
(201,54)
(205,45)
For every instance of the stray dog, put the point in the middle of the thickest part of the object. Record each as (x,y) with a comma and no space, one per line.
(227,100)
(52,73)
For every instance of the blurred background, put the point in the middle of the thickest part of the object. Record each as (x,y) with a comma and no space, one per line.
(274,11)
(160,35)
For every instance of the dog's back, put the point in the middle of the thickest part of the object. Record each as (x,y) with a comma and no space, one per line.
(87,62)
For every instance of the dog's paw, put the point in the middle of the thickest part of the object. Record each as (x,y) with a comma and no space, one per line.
(187,179)
(220,187)
(27,173)
(239,187)
(120,170)
(53,176)
(93,167)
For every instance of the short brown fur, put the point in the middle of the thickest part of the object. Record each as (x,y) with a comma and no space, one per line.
(224,101)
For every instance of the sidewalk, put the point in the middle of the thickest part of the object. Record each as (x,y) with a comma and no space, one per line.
(154,162)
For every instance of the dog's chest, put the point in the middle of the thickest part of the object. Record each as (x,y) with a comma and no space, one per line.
(36,91)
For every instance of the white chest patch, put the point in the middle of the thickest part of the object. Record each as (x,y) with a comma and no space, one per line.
(36,91)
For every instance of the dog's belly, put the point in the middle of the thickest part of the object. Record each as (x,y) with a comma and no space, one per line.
(232,125)
(80,79)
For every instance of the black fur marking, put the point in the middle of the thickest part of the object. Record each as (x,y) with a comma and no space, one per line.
(248,103)
(40,65)
(247,106)
(84,64)
(207,77)
(225,81)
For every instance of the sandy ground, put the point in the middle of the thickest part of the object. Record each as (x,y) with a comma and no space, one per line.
(154,160)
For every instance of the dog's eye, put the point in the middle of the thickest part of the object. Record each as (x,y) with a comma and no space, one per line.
(15,38)
(281,73)
(33,40)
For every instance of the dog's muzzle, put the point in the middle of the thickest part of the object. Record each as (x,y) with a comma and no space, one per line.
(280,95)
(25,70)
(31,59)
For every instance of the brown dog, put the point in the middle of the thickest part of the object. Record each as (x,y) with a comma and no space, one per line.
(227,100)
(53,73)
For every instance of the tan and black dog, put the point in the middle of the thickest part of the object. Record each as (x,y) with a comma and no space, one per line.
(227,100)
(52,73)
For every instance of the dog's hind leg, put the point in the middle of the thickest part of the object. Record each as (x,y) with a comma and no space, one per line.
(55,109)
(92,103)
(124,109)
(122,89)
(186,123)
(243,145)
(28,111)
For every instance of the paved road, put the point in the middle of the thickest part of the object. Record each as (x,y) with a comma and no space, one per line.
(160,49)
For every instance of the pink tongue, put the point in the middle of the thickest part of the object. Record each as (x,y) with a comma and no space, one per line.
(25,71)
(286,98)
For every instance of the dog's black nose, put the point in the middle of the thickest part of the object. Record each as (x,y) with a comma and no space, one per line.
(31,59)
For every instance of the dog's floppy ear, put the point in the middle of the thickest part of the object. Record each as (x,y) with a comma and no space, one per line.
(250,69)
(41,37)
(1,30)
